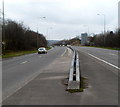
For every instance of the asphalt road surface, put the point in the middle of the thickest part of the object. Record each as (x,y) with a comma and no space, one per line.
(110,56)
(98,66)
(18,71)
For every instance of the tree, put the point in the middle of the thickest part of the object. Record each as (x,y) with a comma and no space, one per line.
(18,37)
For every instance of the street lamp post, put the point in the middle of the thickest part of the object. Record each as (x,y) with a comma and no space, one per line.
(87,29)
(37,38)
(3,28)
(38,32)
(104,21)
(48,35)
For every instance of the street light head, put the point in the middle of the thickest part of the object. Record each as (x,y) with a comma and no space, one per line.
(101,14)
(42,17)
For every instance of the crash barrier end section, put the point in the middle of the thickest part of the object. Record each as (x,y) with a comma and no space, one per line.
(74,75)
(73,85)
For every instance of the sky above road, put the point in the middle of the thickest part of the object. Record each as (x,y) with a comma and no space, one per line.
(64,18)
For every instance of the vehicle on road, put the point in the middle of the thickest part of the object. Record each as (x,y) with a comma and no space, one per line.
(42,50)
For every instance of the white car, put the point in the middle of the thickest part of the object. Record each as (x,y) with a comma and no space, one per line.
(42,50)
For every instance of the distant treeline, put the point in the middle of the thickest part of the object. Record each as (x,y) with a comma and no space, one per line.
(17,37)
(73,41)
(109,39)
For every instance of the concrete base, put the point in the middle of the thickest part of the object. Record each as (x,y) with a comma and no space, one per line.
(73,85)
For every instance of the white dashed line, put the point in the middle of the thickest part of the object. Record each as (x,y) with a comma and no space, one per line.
(112,54)
(24,62)
(104,61)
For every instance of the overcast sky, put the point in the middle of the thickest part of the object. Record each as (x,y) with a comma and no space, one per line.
(64,18)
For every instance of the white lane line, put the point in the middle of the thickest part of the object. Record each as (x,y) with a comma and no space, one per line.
(112,54)
(24,62)
(104,61)
(22,85)
(64,52)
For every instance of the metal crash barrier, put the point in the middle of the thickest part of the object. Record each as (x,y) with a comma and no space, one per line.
(74,75)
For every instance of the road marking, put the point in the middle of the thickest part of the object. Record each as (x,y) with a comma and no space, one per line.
(64,52)
(104,61)
(112,54)
(21,85)
(24,62)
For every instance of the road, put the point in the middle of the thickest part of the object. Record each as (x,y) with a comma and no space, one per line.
(18,71)
(98,66)
(107,57)
(110,56)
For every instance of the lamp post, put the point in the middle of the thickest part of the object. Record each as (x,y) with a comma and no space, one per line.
(3,28)
(104,22)
(38,32)
(48,35)
(87,28)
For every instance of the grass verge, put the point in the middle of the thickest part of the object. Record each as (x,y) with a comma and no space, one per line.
(103,47)
(19,53)
(48,48)
(75,90)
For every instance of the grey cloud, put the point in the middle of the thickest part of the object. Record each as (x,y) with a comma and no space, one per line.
(67,16)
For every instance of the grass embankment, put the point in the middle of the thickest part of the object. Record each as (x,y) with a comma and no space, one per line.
(19,53)
(103,47)
(48,48)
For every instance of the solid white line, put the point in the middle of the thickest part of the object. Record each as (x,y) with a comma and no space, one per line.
(104,61)
(24,62)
